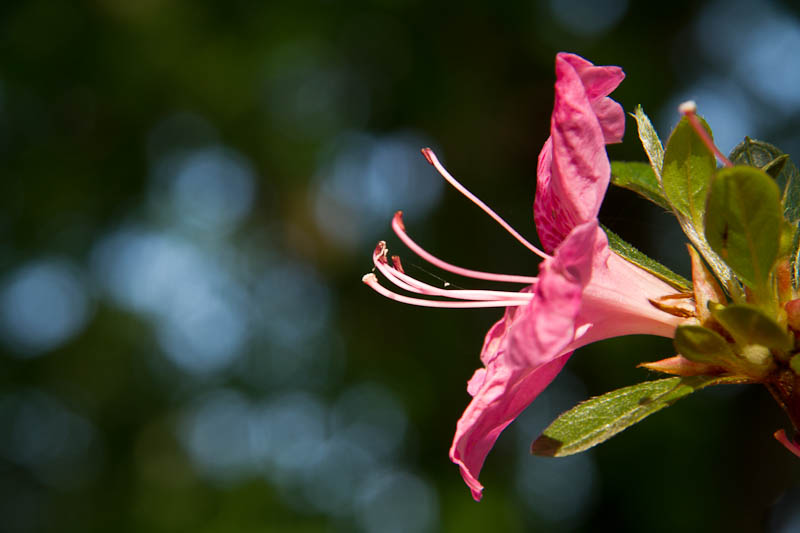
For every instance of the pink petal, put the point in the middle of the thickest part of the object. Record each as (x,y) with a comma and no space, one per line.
(553,220)
(573,171)
(585,293)
(476,381)
(506,392)
(546,325)
(580,167)
(523,353)
(599,81)
(611,118)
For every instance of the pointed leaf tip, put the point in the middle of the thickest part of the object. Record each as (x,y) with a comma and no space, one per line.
(650,141)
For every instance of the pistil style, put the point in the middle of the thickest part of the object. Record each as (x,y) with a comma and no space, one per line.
(689,110)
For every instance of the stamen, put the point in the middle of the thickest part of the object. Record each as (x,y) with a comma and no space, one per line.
(680,305)
(397,265)
(372,281)
(400,230)
(689,110)
(380,262)
(793,447)
(431,157)
(406,282)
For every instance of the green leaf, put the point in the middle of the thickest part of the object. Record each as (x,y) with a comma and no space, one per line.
(687,168)
(687,171)
(628,252)
(639,178)
(743,223)
(598,419)
(650,141)
(748,325)
(703,345)
(778,165)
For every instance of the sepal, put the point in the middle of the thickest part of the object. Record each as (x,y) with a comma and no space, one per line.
(678,365)
(705,286)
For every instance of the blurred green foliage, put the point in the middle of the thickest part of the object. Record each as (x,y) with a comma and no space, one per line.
(85,87)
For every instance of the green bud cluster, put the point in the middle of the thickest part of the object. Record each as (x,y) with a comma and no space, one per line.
(749,238)
(742,219)
(741,310)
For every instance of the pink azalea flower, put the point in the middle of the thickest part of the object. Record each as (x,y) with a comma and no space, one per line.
(584,292)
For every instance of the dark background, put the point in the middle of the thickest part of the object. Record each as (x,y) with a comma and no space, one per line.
(190,193)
